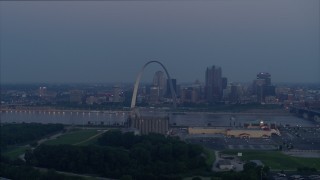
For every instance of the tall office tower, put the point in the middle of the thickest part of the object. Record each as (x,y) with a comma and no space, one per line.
(159,80)
(224,82)
(213,84)
(262,86)
(235,92)
(174,84)
(266,77)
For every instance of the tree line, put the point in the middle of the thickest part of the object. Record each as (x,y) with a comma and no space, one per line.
(152,156)
(18,170)
(13,134)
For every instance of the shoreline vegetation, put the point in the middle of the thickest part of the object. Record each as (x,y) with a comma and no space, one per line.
(92,153)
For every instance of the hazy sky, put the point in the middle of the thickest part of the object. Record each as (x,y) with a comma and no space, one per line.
(108,41)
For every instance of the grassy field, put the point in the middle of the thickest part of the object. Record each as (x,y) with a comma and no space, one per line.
(15,152)
(89,142)
(73,137)
(278,160)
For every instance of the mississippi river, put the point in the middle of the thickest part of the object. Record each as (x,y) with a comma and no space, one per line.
(119,118)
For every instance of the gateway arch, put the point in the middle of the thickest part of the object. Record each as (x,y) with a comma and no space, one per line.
(136,85)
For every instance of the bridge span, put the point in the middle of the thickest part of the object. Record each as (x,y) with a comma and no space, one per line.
(180,113)
(310,114)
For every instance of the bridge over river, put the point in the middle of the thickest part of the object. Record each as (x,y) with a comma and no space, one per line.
(310,114)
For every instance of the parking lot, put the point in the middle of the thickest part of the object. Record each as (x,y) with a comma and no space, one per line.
(299,138)
(293,175)
(251,143)
(292,138)
(221,143)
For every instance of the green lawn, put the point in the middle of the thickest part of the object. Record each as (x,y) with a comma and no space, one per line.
(73,137)
(15,152)
(78,137)
(278,160)
(90,142)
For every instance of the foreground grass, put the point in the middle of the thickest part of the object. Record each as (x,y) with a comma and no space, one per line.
(278,160)
(93,140)
(73,137)
(15,152)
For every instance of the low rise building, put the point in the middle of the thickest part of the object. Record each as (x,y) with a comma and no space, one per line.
(240,133)
(225,164)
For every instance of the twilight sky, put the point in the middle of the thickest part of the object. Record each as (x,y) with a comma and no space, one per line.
(109,41)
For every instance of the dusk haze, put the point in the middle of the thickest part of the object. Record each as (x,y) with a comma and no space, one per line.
(160,89)
(107,41)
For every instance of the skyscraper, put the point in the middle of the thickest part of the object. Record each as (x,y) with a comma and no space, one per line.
(224,82)
(266,77)
(262,86)
(214,84)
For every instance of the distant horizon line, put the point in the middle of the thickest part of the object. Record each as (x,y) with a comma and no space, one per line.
(119,82)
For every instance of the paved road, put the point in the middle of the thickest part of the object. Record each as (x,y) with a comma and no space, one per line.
(91,137)
(73,174)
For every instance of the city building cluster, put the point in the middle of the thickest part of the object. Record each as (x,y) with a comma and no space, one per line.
(214,90)
(217,90)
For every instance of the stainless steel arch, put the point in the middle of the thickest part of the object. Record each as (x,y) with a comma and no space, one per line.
(136,85)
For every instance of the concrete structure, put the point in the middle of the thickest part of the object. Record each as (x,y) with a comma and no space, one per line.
(240,133)
(147,125)
(225,164)
(204,130)
(249,133)
(262,86)
(306,113)
(136,85)
(213,84)
(265,76)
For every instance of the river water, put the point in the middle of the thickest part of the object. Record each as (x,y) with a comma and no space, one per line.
(119,118)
